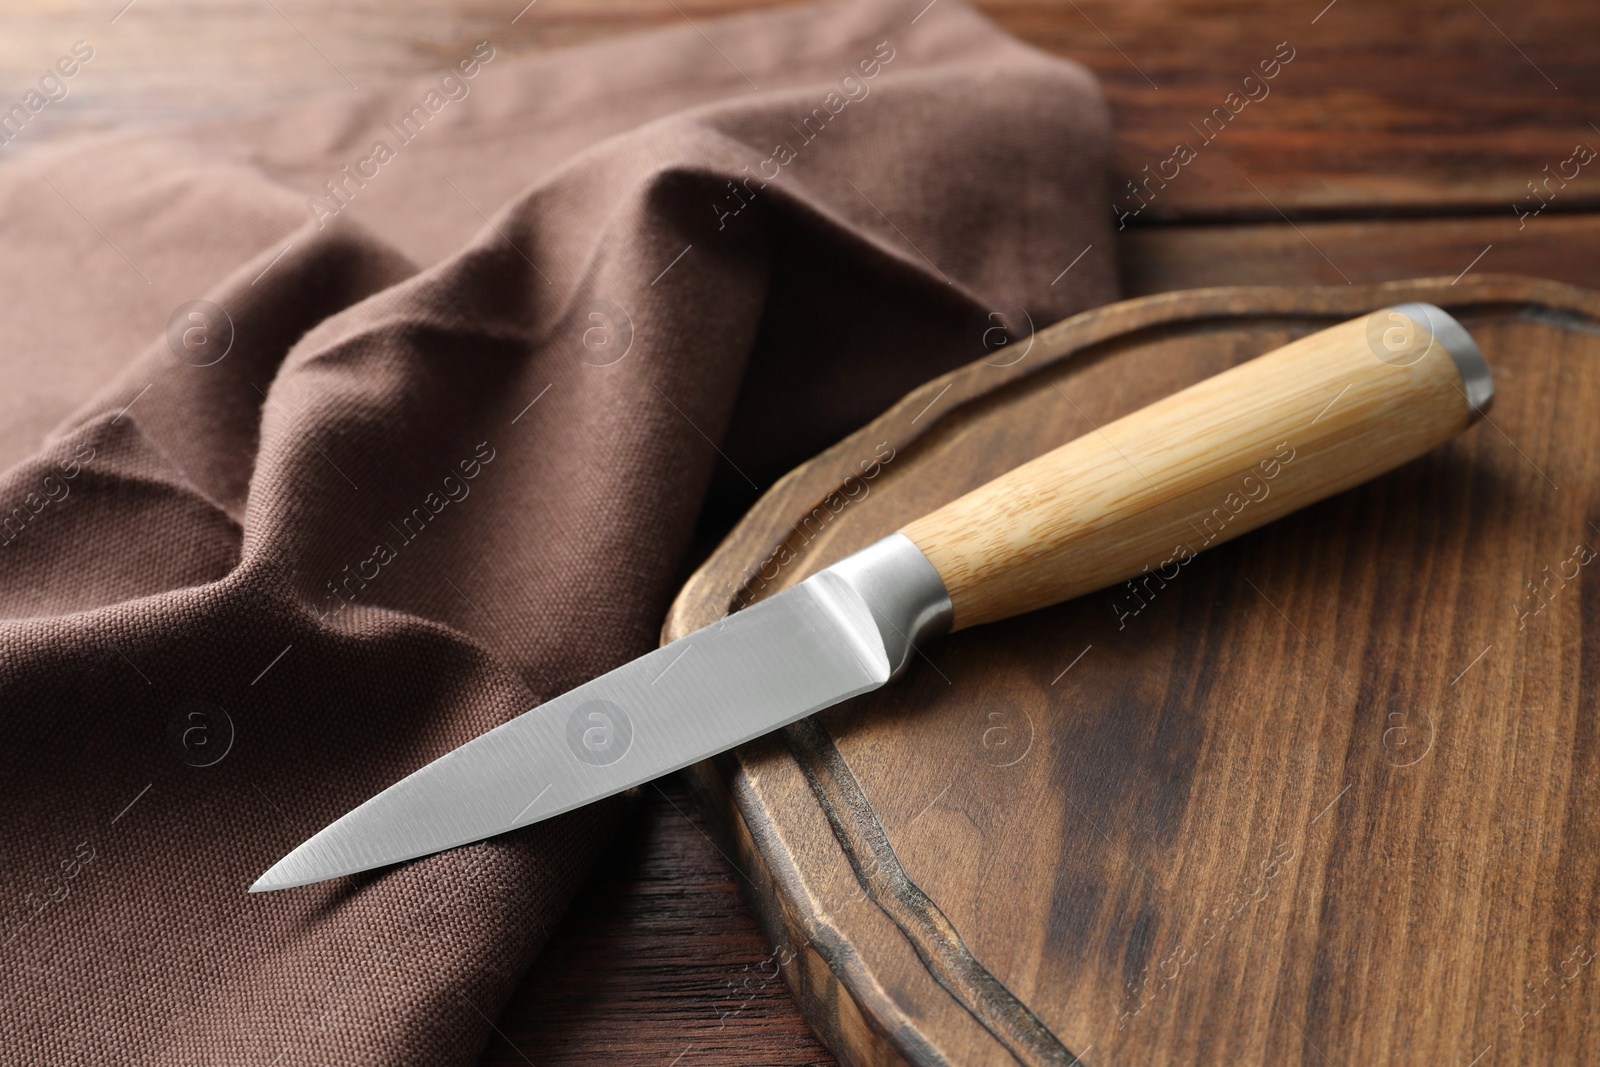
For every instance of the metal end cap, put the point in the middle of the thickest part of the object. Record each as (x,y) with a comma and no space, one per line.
(1476,380)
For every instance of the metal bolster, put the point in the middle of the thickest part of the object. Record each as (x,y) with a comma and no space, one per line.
(1475,377)
(905,594)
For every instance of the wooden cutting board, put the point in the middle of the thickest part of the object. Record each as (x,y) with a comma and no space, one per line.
(1327,794)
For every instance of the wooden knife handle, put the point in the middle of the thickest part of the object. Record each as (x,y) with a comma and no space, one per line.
(1150,490)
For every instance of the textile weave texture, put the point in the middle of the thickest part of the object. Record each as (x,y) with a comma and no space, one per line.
(336,436)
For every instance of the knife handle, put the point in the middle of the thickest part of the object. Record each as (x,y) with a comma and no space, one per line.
(1150,490)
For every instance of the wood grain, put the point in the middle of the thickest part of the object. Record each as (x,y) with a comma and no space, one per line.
(590,977)
(659,961)
(1322,798)
(1399,108)
(1157,259)
(1389,110)
(1143,495)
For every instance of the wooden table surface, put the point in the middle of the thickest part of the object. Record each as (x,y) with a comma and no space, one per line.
(1396,140)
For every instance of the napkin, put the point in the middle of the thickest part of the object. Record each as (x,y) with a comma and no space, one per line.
(335,436)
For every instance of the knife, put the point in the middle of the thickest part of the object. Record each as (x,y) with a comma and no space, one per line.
(1310,419)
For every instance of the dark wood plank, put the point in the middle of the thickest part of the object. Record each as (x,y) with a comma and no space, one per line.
(659,962)
(1384,109)
(1156,259)
(1318,796)
(1413,108)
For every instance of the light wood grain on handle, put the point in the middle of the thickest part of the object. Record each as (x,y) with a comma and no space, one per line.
(1204,465)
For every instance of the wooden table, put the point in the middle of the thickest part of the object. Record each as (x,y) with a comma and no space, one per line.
(1400,140)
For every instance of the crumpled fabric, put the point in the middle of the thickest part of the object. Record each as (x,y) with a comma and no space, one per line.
(336,436)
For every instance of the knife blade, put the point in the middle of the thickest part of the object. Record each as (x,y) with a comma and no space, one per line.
(768,665)
(1359,399)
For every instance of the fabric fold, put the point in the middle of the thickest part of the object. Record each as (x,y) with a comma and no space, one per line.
(338,435)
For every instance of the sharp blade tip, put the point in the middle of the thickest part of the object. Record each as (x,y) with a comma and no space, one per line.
(271,880)
(286,874)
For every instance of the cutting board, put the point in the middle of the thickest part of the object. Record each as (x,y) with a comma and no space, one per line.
(1328,793)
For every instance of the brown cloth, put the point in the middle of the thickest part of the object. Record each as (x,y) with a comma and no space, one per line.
(436,450)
